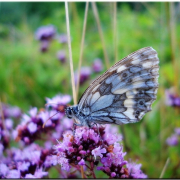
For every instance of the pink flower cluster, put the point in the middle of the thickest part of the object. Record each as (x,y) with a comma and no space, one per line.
(28,159)
(92,146)
(173,140)
(31,126)
(28,162)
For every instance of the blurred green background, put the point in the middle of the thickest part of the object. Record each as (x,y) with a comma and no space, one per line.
(27,75)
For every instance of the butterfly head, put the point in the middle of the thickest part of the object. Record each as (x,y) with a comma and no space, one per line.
(71,111)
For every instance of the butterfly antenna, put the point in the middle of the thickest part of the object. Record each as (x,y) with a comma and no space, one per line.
(49,119)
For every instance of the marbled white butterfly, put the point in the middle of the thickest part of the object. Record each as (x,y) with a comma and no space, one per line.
(123,94)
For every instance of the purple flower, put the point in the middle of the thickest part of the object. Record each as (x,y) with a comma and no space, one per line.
(81,162)
(11,111)
(39,173)
(135,171)
(58,102)
(171,99)
(113,174)
(30,176)
(32,127)
(85,73)
(177,131)
(23,166)
(3,170)
(13,174)
(98,152)
(45,32)
(63,38)
(86,145)
(9,123)
(50,161)
(172,140)
(97,65)
(33,112)
(61,56)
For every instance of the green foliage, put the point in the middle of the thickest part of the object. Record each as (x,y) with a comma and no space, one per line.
(27,76)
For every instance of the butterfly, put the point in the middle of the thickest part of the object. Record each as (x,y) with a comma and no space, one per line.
(123,94)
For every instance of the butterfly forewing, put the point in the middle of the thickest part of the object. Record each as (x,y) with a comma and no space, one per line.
(125,92)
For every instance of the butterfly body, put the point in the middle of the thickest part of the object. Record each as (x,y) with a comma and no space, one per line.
(123,94)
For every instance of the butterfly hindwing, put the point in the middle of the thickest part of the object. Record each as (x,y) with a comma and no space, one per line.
(125,92)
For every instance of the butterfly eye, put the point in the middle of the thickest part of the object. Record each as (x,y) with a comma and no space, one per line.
(69,112)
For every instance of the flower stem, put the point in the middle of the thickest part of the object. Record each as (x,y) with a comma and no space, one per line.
(92,170)
(2,115)
(70,54)
(82,172)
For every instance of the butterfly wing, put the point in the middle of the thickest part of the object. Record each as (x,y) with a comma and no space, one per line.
(125,92)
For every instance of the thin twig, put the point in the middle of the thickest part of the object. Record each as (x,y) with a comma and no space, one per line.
(82,172)
(2,115)
(164,168)
(100,33)
(115,29)
(172,26)
(81,49)
(70,53)
(92,170)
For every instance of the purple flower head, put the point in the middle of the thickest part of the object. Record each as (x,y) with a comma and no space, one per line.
(45,33)
(85,73)
(81,162)
(50,161)
(63,38)
(33,112)
(25,162)
(39,173)
(177,131)
(13,174)
(172,140)
(29,176)
(9,124)
(171,99)
(66,124)
(23,166)
(135,172)
(98,152)
(3,170)
(11,111)
(58,102)
(97,65)
(61,56)
(32,127)
(90,146)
